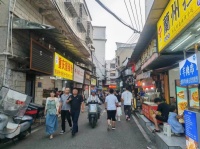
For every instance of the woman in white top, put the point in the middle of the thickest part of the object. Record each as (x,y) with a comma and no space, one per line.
(51,111)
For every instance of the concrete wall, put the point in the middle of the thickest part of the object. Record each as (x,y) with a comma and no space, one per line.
(173,75)
(99,43)
(99,32)
(123,53)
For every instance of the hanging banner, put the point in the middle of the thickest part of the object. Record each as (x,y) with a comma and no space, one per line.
(62,67)
(78,74)
(177,15)
(189,71)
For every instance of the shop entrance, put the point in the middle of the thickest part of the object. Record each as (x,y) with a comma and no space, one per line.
(30,85)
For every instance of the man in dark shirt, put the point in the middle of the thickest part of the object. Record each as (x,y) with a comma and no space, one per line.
(75,101)
(161,114)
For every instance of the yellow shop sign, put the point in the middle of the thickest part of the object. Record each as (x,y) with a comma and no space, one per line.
(62,67)
(177,15)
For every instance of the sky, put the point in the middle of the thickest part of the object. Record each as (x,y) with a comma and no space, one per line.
(116,31)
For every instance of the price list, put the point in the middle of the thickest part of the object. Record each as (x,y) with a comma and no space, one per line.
(191,125)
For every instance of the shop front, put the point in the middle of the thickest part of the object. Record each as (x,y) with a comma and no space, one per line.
(38,79)
(188,102)
(149,89)
(86,87)
(62,76)
(78,78)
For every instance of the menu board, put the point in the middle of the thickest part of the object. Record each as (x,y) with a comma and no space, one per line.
(194,97)
(182,103)
(191,130)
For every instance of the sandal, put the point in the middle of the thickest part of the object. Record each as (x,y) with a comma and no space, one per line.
(155,130)
(51,137)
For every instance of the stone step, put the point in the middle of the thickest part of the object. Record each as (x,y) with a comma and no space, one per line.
(162,141)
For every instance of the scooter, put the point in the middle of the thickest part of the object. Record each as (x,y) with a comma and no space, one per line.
(13,123)
(93,113)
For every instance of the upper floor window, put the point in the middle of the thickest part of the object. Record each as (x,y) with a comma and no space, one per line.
(112,65)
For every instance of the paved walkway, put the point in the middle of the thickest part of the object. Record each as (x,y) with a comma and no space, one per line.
(126,136)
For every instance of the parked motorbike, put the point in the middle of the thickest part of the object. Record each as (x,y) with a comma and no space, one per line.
(93,113)
(13,122)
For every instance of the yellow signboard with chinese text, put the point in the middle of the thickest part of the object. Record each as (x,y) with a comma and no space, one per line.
(62,67)
(177,15)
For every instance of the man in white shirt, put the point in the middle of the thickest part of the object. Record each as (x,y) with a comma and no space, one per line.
(111,107)
(127,98)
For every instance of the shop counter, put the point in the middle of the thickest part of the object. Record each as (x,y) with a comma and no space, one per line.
(147,110)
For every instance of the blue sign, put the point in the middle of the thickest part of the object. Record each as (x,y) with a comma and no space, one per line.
(189,73)
(191,125)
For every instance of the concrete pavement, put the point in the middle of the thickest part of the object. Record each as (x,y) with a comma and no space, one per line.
(126,136)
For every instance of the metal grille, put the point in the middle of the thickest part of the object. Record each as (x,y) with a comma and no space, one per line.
(41,59)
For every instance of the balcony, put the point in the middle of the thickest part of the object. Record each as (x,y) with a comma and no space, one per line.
(89,33)
(71,7)
(81,23)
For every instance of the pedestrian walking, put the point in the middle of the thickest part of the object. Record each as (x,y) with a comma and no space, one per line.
(65,110)
(119,109)
(111,106)
(76,102)
(51,112)
(127,99)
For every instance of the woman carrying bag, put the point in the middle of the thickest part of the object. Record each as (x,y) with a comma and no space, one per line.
(52,111)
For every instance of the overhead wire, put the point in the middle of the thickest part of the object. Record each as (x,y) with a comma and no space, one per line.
(97,62)
(128,13)
(133,14)
(141,14)
(137,15)
(113,14)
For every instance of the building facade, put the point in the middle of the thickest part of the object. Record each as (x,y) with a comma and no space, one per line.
(111,74)
(32,32)
(99,43)
(123,54)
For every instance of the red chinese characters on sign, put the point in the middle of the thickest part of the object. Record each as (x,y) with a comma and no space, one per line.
(62,67)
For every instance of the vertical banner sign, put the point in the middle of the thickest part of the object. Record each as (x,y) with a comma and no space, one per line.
(78,74)
(177,15)
(189,71)
(62,67)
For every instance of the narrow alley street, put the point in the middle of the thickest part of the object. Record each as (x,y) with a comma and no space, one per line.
(126,136)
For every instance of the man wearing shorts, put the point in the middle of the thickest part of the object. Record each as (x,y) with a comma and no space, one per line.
(111,107)
(127,98)
(161,114)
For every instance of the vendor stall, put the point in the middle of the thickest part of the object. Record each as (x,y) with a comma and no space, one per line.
(188,99)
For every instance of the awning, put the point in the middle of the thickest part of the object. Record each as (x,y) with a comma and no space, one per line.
(149,28)
(55,37)
(164,61)
(19,23)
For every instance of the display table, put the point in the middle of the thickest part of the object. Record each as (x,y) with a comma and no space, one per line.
(147,110)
